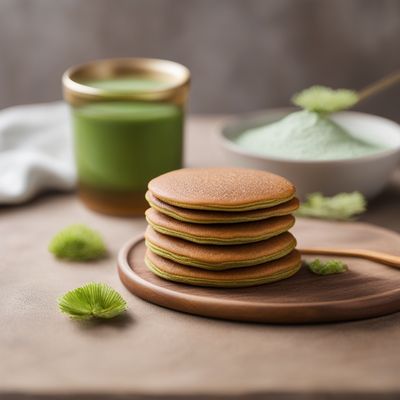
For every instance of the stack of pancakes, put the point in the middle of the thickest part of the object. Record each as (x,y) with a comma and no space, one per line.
(224,227)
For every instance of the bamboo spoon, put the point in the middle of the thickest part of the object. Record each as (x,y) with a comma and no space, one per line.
(384,258)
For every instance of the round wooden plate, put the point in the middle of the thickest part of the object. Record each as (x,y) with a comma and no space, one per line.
(367,290)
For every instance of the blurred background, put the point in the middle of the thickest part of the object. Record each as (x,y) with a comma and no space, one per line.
(244,54)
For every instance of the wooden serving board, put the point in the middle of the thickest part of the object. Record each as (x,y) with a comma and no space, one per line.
(367,290)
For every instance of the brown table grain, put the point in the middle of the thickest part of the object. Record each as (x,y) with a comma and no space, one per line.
(154,352)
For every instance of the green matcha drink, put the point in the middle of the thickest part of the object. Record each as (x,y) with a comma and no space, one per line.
(121,146)
(127,84)
(128,132)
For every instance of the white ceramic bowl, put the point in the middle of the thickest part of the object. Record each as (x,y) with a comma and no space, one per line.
(368,174)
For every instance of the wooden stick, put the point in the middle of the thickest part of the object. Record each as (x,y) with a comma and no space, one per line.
(379,85)
(384,258)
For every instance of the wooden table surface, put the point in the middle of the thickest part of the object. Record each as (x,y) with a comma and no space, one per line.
(154,352)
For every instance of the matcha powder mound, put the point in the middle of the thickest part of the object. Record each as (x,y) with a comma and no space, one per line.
(305,135)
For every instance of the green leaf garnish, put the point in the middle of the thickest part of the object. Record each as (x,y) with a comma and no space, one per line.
(94,300)
(327,267)
(77,243)
(343,206)
(322,99)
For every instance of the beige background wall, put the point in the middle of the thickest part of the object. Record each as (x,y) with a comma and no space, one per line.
(244,54)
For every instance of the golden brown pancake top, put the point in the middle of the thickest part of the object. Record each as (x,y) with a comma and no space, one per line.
(221,187)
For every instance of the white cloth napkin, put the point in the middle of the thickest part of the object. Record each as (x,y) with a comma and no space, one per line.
(35,151)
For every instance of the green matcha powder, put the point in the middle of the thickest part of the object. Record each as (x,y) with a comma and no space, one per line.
(305,135)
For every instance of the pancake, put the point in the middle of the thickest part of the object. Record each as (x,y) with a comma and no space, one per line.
(249,276)
(214,257)
(221,189)
(217,217)
(245,232)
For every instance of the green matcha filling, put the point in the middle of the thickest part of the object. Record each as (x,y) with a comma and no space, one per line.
(221,283)
(235,218)
(244,207)
(215,240)
(218,266)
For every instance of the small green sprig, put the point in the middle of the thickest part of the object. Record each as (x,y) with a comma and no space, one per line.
(77,243)
(94,300)
(343,206)
(322,99)
(327,267)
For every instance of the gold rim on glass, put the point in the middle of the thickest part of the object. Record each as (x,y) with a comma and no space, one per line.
(176,77)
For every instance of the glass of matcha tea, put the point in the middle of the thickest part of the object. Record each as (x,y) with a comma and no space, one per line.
(128,117)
